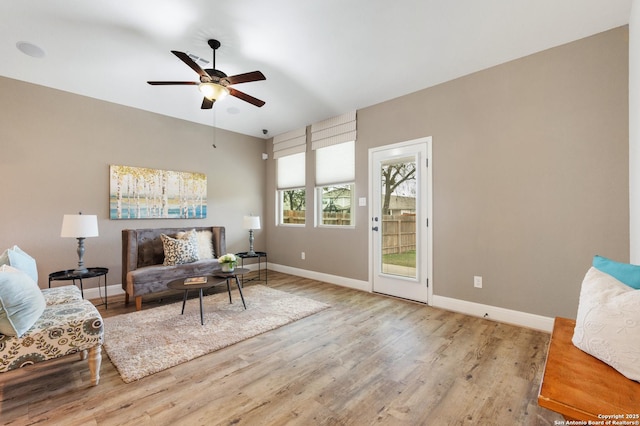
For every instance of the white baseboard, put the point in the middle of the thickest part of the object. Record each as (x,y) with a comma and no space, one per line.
(319,276)
(95,293)
(522,319)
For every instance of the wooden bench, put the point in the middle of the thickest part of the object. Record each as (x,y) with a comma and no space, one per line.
(581,387)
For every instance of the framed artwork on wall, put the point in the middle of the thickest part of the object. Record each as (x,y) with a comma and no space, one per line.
(143,193)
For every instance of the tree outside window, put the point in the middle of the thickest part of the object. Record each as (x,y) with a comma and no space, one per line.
(336,202)
(293,204)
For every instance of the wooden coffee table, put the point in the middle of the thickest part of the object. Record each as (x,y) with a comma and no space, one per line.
(211,281)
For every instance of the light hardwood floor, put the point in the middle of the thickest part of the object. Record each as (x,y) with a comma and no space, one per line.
(369,359)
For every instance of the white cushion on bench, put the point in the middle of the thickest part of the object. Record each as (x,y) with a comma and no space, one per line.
(608,322)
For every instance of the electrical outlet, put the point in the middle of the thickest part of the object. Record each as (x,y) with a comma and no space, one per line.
(302,255)
(477,281)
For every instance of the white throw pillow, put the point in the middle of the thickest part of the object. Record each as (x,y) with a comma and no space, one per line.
(205,244)
(608,322)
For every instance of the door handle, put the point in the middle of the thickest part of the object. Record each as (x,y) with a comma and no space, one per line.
(375,228)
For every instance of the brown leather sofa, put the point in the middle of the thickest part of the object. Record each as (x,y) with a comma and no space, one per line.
(143,271)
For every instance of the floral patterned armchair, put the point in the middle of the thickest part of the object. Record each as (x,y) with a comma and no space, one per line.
(68,325)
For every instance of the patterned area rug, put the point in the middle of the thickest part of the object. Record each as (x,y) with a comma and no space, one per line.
(145,342)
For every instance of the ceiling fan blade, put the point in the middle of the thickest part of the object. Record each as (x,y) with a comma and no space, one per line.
(247,98)
(187,60)
(169,83)
(246,77)
(207,103)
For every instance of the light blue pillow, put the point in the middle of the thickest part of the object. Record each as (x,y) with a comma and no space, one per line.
(21,301)
(19,259)
(623,272)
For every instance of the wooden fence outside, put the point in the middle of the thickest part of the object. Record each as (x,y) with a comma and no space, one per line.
(398,231)
(398,234)
(293,216)
(298,217)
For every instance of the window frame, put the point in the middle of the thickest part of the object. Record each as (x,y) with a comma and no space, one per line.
(319,210)
(296,184)
(334,177)
(280,207)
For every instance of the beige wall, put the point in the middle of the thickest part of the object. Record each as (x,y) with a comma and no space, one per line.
(55,152)
(530,178)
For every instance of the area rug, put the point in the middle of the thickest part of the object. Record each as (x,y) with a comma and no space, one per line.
(145,342)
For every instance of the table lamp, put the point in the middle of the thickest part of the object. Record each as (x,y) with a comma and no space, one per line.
(251,223)
(79,226)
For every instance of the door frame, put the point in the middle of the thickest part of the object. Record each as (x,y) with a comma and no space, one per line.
(426,262)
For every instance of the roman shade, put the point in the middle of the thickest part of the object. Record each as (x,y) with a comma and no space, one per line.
(333,141)
(335,130)
(292,142)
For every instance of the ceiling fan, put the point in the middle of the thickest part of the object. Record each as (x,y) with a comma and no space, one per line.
(214,84)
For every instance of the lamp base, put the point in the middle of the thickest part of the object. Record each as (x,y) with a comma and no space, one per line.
(251,252)
(81,268)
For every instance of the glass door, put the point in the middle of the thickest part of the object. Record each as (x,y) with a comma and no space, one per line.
(400,214)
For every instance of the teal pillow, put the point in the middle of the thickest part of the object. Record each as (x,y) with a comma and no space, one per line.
(17,258)
(21,301)
(623,272)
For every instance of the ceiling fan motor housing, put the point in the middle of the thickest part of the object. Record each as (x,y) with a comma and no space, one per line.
(217,76)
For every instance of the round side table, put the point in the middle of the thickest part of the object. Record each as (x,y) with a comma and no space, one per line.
(72,275)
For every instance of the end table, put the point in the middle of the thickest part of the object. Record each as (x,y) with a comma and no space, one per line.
(259,255)
(71,275)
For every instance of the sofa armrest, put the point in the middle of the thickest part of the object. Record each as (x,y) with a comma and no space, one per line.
(219,241)
(129,254)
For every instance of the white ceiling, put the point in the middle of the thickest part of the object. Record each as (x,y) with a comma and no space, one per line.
(321,57)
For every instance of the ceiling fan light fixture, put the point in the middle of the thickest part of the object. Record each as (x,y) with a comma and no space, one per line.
(213,91)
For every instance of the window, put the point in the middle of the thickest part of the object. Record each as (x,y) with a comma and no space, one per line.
(335,203)
(333,141)
(335,172)
(291,191)
(292,206)
(289,151)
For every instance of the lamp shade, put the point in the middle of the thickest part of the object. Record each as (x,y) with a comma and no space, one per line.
(79,226)
(252,222)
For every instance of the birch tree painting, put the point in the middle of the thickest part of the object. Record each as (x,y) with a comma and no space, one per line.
(142,193)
